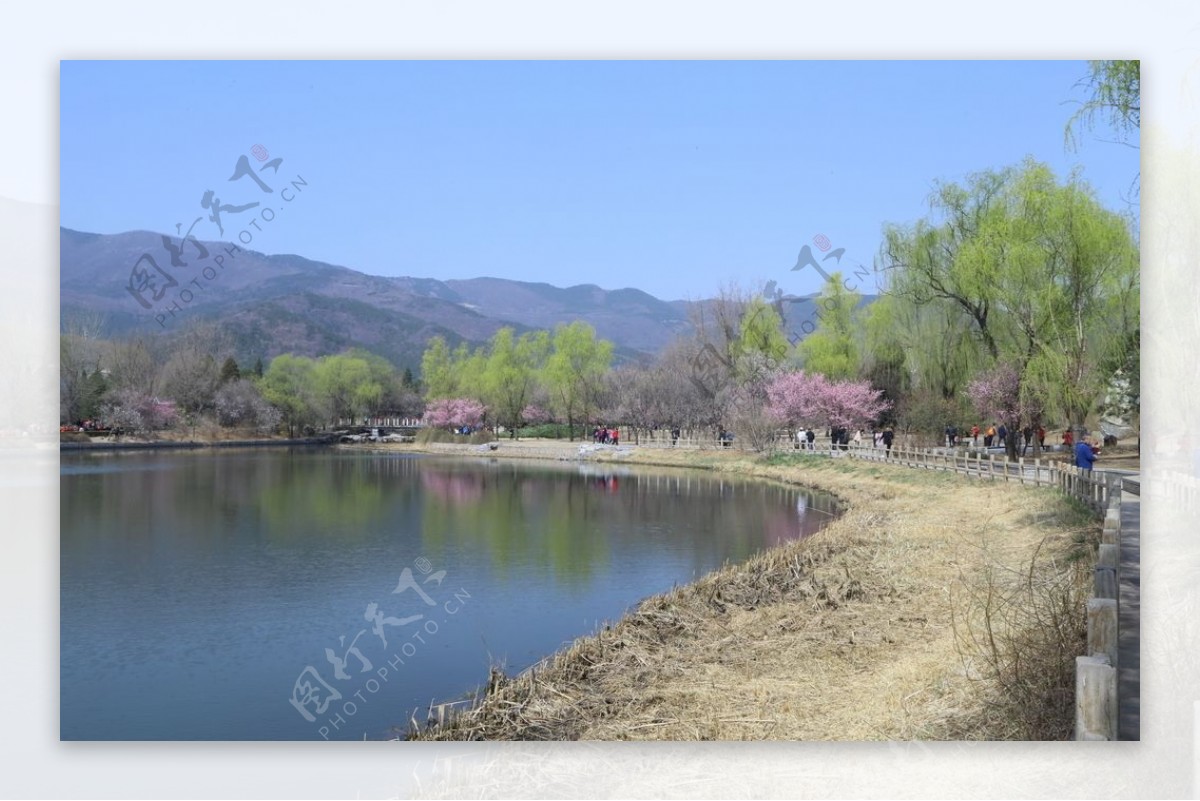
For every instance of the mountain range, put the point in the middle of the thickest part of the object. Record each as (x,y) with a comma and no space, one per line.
(146,282)
(287,303)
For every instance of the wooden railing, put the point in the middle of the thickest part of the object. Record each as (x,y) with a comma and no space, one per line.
(1096,686)
(1094,488)
(1097,700)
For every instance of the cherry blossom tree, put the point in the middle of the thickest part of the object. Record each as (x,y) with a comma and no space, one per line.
(135,411)
(1000,392)
(800,398)
(1003,393)
(535,415)
(997,393)
(240,403)
(454,413)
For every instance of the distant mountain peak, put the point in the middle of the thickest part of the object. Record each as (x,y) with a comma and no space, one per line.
(287,302)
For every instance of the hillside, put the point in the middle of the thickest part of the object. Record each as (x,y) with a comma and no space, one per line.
(287,303)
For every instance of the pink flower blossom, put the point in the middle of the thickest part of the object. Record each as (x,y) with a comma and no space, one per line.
(801,398)
(535,415)
(454,413)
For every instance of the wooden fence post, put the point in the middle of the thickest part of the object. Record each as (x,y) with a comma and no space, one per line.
(1112,527)
(1095,699)
(1104,582)
(1102,628)
(1108,556)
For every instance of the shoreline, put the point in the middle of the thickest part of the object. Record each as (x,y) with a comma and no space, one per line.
(862,631)
(193,444)
(850,634)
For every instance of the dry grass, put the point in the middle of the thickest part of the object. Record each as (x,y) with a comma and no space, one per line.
(867,631)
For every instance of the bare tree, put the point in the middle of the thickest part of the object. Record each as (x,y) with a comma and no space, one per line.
(133,366)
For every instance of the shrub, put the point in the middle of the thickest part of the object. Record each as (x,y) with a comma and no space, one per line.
(429,435)
(1019,634)
(553,431)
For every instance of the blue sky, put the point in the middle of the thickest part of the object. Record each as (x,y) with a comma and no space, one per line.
(674,177)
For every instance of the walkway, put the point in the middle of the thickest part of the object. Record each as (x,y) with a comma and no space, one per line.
(1129,661)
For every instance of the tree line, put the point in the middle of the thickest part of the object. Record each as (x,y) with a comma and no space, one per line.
(1015,300)
(141,384)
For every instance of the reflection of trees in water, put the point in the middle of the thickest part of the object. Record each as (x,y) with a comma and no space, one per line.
(521,518)
(344,495)
(456,488)
(264,494)
(561,518)
(571,519)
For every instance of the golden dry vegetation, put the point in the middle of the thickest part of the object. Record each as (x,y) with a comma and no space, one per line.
(936,607)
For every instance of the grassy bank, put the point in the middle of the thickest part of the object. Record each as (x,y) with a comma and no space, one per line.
(936,607)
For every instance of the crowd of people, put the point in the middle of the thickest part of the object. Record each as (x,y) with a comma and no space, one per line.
(603,435)
(82,426)
(840,438)
(996,435)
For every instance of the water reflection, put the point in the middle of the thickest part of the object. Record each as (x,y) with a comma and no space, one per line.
(196,586)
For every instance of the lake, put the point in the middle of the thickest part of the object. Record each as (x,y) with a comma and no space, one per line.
(309,593)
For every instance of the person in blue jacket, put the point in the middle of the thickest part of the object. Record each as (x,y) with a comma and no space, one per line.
(1084,455)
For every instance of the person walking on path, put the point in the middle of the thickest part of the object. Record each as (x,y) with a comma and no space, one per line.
(975,435)
(989,436)
(888,436)
(1084,455)
(811,437)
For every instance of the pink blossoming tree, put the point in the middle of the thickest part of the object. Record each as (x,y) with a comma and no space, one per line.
(535,415)
(454,413)
(802,398)
(999,393)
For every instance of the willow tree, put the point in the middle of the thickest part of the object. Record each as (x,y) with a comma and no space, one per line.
(510,372)
(437,370)
(885,363)
(1045,277)
(454,373)
(832,349)
(347,386)
(575,370)
(1070,287)
(942,259)
(1115,100)
(760,347)
(289,384)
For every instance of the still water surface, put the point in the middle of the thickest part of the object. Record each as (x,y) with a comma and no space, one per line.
(305,594)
